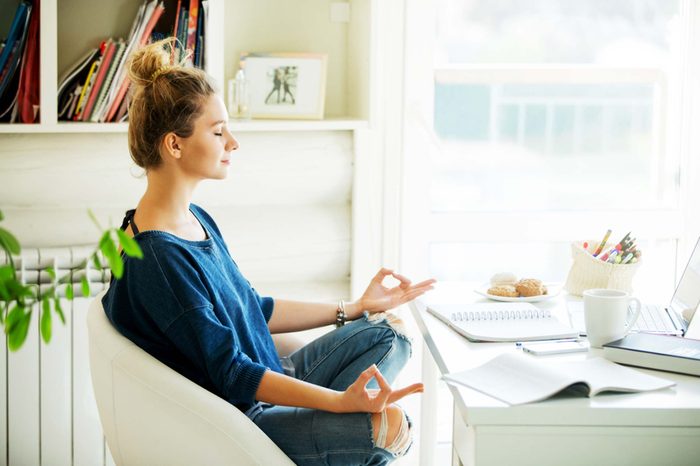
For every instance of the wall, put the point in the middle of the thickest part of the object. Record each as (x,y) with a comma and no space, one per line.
(284,209)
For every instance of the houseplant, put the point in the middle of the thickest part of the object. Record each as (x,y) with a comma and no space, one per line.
(17,300)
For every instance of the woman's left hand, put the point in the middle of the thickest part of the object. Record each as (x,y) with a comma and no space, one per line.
(378,298)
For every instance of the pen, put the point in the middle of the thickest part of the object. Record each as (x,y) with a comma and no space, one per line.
(602,243)
(624,238)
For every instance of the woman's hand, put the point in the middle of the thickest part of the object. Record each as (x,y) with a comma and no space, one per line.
(357,398)
(378,298)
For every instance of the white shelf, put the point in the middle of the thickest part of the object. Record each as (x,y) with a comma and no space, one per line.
(332,124)
(66,127)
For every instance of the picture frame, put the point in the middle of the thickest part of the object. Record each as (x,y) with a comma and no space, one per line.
(286,85)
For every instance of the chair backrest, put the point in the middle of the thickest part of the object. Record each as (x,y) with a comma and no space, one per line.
(152,415)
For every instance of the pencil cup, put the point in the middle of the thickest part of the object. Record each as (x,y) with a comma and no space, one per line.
(588,272)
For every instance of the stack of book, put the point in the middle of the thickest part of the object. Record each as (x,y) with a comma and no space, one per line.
(94,89)
(19,66)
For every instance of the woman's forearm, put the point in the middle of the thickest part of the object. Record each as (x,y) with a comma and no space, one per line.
(279,389)
(292,316)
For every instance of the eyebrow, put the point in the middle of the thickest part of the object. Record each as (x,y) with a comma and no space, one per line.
(218,122)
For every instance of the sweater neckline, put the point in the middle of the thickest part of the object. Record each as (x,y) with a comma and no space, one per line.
(202,242)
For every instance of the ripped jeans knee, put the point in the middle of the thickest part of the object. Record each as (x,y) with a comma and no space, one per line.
(402,439)
(402,343)
(392,320)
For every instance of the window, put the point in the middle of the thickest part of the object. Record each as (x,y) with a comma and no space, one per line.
(550,122)
(541,122)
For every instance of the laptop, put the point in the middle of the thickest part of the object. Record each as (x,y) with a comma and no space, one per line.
(671,319)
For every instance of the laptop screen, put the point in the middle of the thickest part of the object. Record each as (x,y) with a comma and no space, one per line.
(687,295)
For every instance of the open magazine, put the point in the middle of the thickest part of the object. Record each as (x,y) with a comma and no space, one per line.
(515,378)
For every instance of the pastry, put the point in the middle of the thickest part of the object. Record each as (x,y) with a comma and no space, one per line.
(503,290)
(504,278)
(530,287)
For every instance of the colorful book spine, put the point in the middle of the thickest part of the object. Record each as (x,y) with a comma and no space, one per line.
(192,31)
(28,97)
(86,87)
(199,51)
(14,61)
(182,35)
(99,79)
(157,12)
(176,47)
(98,113)
(17,22)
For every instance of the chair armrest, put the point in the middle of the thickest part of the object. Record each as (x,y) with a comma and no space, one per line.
(161,419)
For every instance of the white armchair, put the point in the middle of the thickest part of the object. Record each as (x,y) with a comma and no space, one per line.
(151,415)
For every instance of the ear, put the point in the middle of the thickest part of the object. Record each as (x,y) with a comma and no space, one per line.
(172,145)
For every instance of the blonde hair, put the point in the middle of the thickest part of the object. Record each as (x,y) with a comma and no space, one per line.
(165,99)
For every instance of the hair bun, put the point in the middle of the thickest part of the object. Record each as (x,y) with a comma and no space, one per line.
(151,61)
(162,70)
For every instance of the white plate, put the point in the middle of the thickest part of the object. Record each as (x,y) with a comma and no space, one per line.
(553,289)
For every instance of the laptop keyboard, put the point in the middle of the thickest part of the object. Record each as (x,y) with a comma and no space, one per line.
(653,318)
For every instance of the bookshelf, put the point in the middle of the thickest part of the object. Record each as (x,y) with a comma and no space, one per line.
(70,27)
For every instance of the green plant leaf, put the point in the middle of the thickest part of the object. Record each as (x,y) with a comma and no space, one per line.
(109,250)
(2,217)
(129,245)
(86,286)
(69,292)
(59,310)
(18,291)
(9,242)
(7,272)
(51,272)
(6,276)
(46,319)
(13,318)
(94,220)
(18,334)
(96,261)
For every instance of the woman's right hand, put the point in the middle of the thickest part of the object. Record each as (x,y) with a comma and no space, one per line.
(358,398)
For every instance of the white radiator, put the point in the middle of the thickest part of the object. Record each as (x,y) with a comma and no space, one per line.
(49,415)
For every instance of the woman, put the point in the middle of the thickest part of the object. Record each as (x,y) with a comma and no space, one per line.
(187,304)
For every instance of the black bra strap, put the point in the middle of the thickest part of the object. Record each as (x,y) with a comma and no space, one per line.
(129,219)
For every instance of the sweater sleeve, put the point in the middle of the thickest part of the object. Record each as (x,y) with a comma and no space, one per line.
(175,296)
(267,304)
(207,343)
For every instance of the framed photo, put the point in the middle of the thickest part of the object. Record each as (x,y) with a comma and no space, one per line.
(285,85)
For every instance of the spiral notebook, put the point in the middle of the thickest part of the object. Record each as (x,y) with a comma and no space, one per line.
(502,322)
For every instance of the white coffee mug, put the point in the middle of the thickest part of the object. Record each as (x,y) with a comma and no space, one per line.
(605,314)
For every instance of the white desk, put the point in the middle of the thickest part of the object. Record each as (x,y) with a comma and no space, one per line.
(653,428)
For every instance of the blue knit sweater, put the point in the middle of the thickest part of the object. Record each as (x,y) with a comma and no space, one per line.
(188,305)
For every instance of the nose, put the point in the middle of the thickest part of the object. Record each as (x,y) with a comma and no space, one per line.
(231,143)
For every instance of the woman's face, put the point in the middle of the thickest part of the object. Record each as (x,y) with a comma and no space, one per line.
(207,153)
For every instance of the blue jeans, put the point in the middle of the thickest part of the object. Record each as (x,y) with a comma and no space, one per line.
(335,360)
